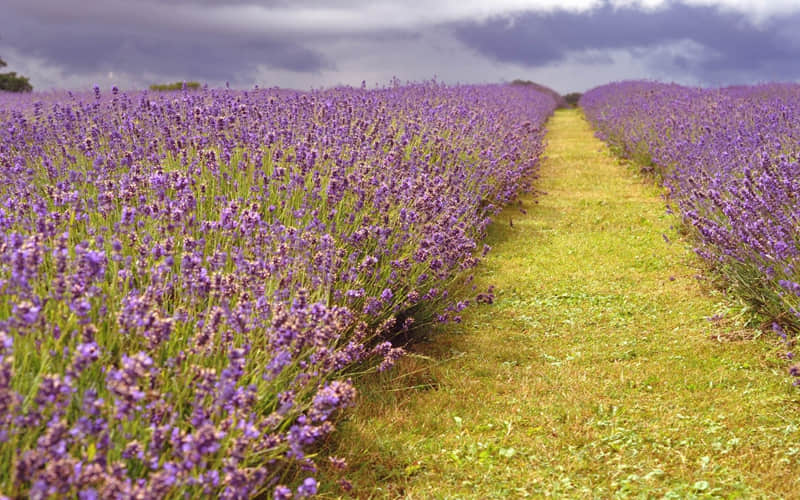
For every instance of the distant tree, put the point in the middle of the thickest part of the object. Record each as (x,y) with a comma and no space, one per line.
(572,98)
(175,86)
(13,82)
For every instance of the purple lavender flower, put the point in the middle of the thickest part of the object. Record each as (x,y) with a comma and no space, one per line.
(728,158)
(81,307)
(85,354)
(308,488)
(334,396)
(211,262)
(281,492)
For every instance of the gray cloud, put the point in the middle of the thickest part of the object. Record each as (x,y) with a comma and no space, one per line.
(731,43)
(109,39)
(567,44)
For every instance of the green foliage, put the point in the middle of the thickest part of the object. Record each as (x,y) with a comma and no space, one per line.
(12,82)
(175,86)
(572,98)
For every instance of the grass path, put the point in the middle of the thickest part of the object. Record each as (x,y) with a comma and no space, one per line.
(596,373)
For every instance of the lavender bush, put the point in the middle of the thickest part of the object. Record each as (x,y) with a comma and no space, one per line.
(729,158)
(189,280)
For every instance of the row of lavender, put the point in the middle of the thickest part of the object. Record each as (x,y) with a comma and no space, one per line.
(188,279)
(729,158)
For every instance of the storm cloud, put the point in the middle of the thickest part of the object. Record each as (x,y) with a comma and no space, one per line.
(719,42)
(566,44)
(160,40)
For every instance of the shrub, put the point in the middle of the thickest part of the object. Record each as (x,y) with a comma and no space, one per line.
(162,87)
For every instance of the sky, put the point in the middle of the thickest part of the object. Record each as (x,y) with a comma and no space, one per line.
(568,45)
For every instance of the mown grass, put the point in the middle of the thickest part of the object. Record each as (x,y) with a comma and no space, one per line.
(598,371)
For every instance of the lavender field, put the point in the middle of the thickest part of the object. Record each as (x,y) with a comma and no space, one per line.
(729,158)
(189,281)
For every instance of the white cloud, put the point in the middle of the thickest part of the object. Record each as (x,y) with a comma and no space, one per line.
(437,55)
(584,69)
(46,75)
(434,54)
(758,10)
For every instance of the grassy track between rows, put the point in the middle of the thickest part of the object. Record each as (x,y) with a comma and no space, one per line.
(596,373)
